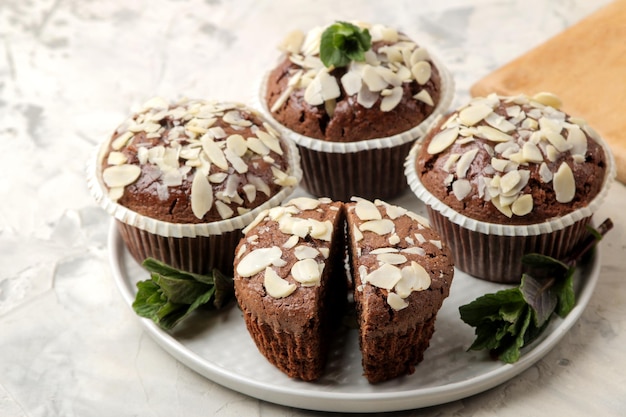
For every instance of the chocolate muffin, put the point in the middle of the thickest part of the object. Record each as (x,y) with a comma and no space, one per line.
(355,124)
(504,176)
(402,273)
(183,179)
(291,285)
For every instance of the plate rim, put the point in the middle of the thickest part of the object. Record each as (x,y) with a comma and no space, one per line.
(369,402)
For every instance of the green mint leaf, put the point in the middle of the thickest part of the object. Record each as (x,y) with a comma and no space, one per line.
(540,297)
(510,353)
(565,294)
(171,295)
(343,42)
(489,306)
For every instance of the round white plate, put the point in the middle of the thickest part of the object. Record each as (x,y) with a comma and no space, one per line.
(217,346)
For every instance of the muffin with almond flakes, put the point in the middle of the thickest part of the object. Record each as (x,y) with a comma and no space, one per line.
(506,176)
(354,121)
(183,178)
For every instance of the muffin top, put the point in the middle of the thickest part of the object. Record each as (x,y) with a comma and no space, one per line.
(398,260)
(390,88)
(194,161)
(512,160)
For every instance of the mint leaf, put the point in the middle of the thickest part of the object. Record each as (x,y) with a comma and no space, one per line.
(343,42)
(171,295)
(510,319)
(541,296)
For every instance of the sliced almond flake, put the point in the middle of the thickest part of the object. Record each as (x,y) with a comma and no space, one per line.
(371,58)
(461,189)
(259,184)
(307,272)
(236,162)
(218,177)
(115,193)
(389,102)
(492,134)
(291,242)
(414,278)
(305,203)
(367,98)
(532,153)
(436,243)
(321,230)
(386,276)
(282,99)
(522,205)
(464,162)
(120,175)
(237,144)
(189,153)
(499,122)
(116,158)
(172,178)
(513,111)
(389,76)
(545,173)
(530,124)
(283,179)
(552,153)
(548,124)
(564,184)
(396,302)
(391,258)
(366,210)
(448,180)
(442,140)
(380,227)
(146,127)
(466,140)
(272,142)
(499,164)
(142,155)
(506,210)
(201,195)
(122,140)
(242,210)
(234,117)
(420,238)
(415,250)
(422,72)
(507,200)
(351,82)
(424,97)
(305,252)
(214,152)
(423,221)
(325,252)
(405,75)
(509,181)
(224,210)
(474,113)
(577,140)
(250,192)
(383,250)
(276,286)
(393,212)
(257,146)
(419,54)
(557,140)
(548,99)
(329,107)
(393,53)
(373,79)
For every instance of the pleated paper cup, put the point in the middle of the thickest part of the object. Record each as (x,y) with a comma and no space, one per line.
(371,168)
(197,248)
(492,251)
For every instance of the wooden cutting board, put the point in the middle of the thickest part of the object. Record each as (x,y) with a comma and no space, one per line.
(585,66)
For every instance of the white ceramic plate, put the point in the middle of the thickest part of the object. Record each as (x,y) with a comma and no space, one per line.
(218,347)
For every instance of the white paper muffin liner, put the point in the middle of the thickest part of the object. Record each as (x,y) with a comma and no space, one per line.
(493,251)
(370,168)
(192,247)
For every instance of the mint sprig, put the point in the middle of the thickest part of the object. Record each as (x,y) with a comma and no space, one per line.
(171,295)
(343,42)
(510,319)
